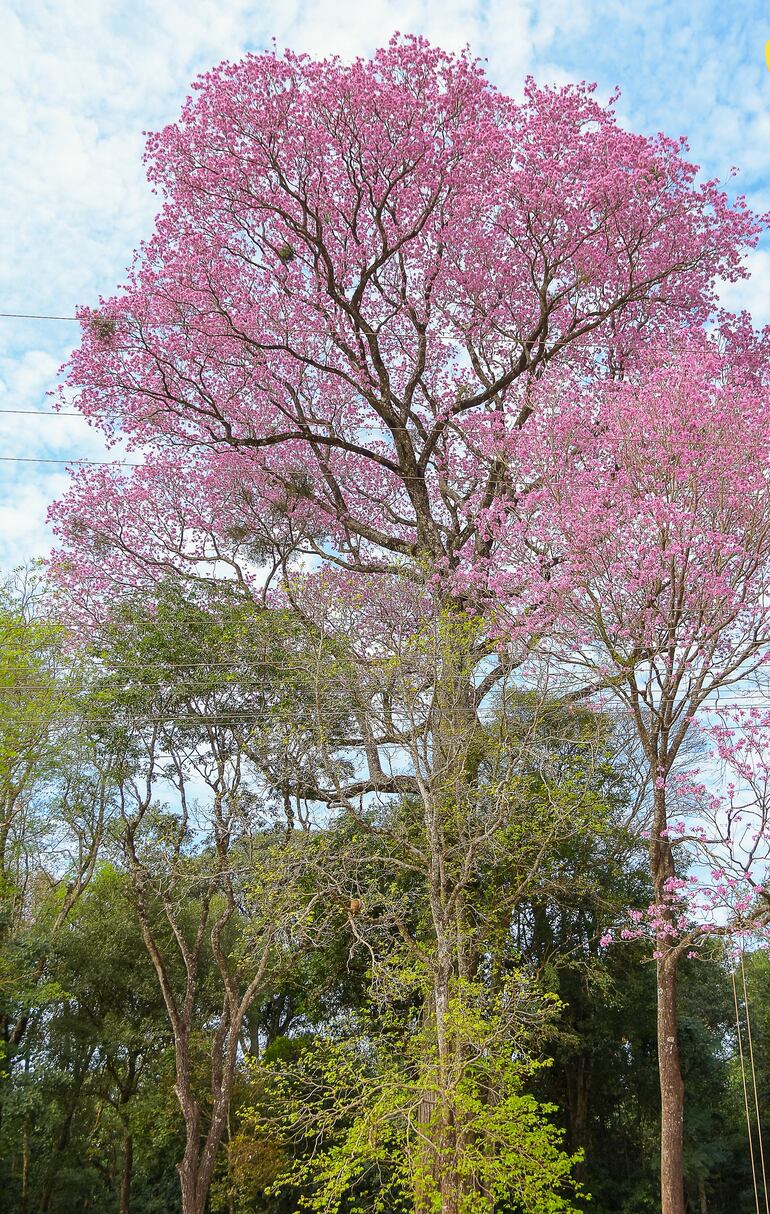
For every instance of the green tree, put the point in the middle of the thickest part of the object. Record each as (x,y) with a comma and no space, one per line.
(54,806)
(210,873)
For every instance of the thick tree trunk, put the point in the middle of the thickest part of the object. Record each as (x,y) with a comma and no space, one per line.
(671,1089)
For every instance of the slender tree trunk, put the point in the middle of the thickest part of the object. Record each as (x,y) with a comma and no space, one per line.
(662,870)
(125,1180)
(62,1141)
(195,1173)
(433,1110)
(197,1165)
(450,1182)
(702,1200)
(196,1170)
(445,804)
(25,1173)
(578,1089)
(671,1088)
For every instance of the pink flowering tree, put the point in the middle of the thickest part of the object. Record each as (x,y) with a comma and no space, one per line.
(362,279)
(720,838)
(643,542)
(356,276)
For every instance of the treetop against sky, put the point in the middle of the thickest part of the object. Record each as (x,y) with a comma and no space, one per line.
(362,280)
(81,84)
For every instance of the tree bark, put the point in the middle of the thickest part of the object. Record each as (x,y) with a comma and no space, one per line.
(444,803)
(663,871)
(125,1180)
(671,1088)
(702,1199)
(25,1174)
(193,1202)
(193,1185)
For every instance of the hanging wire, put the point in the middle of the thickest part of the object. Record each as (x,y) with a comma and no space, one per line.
(32,316)
(754,1084)
(70,462)
(745,1093)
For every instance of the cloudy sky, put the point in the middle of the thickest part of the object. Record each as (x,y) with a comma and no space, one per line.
(80,80)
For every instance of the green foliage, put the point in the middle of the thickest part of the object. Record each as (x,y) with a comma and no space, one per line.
(369,1120)
(93,1062)
(356,1089)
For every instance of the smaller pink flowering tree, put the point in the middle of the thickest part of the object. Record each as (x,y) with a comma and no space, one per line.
(721,839)
(639,562)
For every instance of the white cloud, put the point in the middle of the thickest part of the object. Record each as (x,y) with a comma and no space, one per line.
(23,507)
(24,381)
(753,293)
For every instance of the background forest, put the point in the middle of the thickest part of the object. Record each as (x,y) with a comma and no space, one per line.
(98,869)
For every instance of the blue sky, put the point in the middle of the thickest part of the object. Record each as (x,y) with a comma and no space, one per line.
(81,79)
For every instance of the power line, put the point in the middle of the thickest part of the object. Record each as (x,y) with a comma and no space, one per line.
(246,670)
(106,463)
(246,666)
(32,316)
(251,682)
(56,413)
(46,412)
